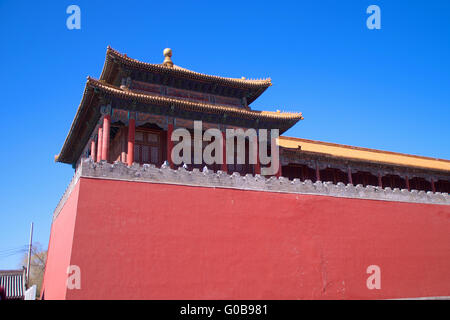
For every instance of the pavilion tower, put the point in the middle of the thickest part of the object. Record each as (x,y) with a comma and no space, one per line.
(129,114)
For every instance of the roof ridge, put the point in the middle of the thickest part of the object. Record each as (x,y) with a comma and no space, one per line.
(262,82)
(11,270)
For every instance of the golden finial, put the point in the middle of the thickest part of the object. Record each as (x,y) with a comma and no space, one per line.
(167,60)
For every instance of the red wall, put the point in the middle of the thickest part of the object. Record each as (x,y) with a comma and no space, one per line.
(155,241)
(60,249)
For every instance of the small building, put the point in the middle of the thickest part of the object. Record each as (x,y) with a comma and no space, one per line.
(13,283)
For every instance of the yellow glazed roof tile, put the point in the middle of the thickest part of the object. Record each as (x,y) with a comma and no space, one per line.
(364,154)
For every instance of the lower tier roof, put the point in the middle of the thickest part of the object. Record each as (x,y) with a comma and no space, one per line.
(88,114)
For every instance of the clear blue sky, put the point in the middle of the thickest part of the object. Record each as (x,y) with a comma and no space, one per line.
(386,89)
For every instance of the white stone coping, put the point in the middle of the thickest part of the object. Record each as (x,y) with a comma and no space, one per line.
(207,178)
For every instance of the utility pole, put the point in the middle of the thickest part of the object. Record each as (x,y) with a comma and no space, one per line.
(29,255)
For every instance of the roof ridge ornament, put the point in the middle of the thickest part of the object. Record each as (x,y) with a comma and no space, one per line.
(167,60)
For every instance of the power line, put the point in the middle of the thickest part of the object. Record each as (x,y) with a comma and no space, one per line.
(13,249)
(6,255)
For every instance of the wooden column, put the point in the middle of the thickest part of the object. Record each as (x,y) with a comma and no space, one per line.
(93,150)
(131,131)
(105,143)
(99,144)
(407,182)
(224,166)
(258,164)
(169,144)
(433,187)
(279,172)
(380,180)
(124,138)
(317,171)
(350,178)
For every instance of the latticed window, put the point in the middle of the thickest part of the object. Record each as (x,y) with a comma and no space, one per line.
(147,148)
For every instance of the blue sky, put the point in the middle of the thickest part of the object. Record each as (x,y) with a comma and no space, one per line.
(386,89)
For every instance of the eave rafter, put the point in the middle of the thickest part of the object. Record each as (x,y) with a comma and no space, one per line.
(189,105)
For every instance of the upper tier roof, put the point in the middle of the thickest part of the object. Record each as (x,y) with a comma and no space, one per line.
(253,87)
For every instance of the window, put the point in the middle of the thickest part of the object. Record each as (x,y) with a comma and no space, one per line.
(147,148)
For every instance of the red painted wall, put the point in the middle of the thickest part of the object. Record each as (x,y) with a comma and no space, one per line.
(60,249)
(155,241)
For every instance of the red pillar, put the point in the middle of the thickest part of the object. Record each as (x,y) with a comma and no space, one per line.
(123,154)
(105,143)
(279,170)
(257,165)
(224,166)
(350,178)
(407,182)
(130,151)
(433,188)
(317,171)
(99,144)
(169,144)
(380,181)
(93,150)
